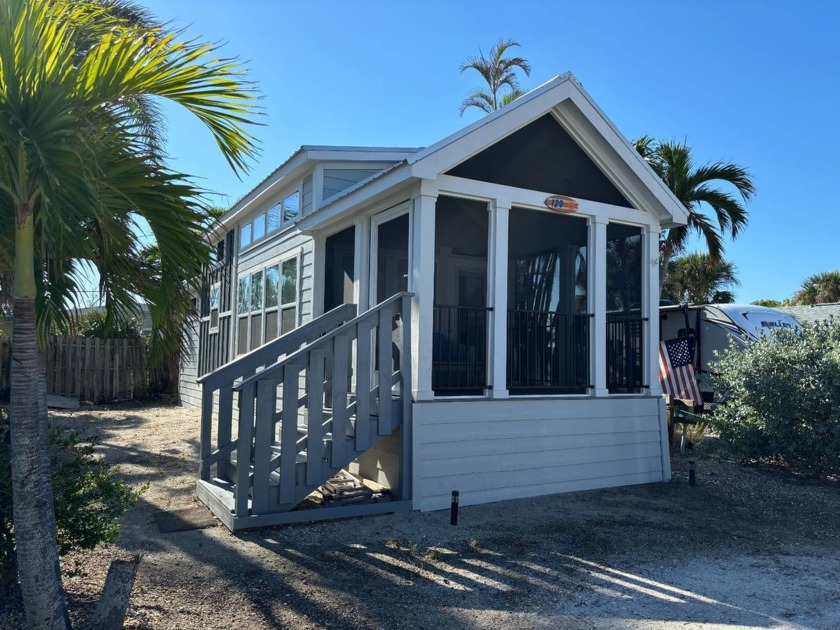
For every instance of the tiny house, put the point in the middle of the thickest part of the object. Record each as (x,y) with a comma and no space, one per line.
(478,315)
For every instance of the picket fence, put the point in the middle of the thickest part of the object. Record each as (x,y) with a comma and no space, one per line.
(90,370)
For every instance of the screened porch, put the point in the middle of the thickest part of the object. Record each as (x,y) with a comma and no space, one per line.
(544,324)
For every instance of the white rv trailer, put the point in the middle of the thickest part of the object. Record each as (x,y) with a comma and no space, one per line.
(714,325)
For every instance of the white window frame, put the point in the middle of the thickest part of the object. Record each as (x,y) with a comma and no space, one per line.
(217,287)
(282,226)
(373,254)
(264,311)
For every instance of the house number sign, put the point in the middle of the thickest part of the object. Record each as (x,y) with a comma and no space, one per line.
(560,203)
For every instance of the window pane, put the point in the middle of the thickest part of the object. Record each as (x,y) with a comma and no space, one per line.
(548,327)
(291,207)
(289,290)
(259,227)
(625,345)
(256,291)
(244,295)
(256,331)
(624,269)
(244,235)
(214,319)
(242,336)
(214,296)
(272,286)
(289,316)
(273,219)
(271,325)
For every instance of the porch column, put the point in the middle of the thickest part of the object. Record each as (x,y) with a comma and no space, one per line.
(361,264)
(598,303)
(423,286)
(650,308)
(497,297)
(319,254)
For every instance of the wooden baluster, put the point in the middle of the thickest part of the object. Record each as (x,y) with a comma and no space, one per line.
(363,374)
(341,352)
(206,427)
(243,449)
(288,432)
(385,337)
(315,417)
(224,428)
(266,401)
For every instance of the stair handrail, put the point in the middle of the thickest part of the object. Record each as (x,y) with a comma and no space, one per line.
(271,371)
(246,364)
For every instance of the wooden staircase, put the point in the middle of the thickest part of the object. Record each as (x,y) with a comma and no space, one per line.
(307,405)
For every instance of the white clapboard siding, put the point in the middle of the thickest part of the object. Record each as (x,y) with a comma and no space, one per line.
(503,449)
(306,197)
(189,390)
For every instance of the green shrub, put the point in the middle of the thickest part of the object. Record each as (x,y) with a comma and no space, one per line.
(89,498)
(782,398)
(96,324)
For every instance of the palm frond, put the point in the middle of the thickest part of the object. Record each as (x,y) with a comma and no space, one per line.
(478,99)
(498,72)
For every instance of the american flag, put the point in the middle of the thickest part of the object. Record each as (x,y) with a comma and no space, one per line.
(676,369)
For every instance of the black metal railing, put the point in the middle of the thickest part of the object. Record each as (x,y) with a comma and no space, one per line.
(459,353)
(625,352)
(547,352)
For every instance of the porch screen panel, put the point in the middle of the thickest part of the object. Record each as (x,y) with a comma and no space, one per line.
(548,323)
(624,309)
(459,352)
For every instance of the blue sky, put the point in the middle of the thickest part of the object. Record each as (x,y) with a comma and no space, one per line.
(754,82)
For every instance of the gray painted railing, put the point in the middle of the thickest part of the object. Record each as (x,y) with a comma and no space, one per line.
(347,388)
(220,383)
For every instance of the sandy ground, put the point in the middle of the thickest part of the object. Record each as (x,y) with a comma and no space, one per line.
(745,548)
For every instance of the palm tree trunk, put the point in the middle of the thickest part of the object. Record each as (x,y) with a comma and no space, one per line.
(34,517)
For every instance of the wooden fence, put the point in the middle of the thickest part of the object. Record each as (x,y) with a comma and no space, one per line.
(90,370)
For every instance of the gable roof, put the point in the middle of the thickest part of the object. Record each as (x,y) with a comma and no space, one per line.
(564,98)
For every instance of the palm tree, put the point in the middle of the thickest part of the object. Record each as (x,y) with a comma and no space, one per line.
(699,190)
(821,288)
(499,73)
(78,163)
(700,278)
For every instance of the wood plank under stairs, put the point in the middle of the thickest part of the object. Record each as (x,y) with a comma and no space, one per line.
(328,468)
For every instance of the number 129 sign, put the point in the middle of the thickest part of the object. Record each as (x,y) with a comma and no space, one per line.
(560,203)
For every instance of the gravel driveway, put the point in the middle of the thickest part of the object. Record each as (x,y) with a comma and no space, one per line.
(745,548)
